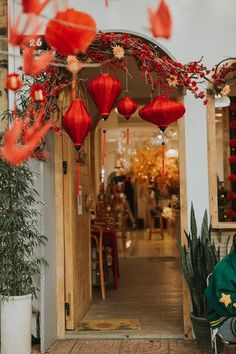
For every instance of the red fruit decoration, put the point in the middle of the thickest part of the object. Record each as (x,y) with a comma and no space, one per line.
(70,32)
(127,107)
(162,112)
(13,82)
(104,90)
(77,122)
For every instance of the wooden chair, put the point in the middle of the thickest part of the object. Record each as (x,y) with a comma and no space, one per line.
(156,230)
(97,242)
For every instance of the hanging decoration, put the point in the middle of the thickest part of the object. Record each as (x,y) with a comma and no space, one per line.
(34,6)
(73,64)
(126,107)
(34,66)
(13,82)
(103,147)
(162,112)
(77,122)
(127,137)
(38,93)
(32,135)
(104,90)
(70,32)
(160,21)
(17,30)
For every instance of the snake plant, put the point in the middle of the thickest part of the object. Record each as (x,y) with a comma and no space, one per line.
(199,257)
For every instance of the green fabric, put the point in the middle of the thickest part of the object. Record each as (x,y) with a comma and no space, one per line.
(222,281)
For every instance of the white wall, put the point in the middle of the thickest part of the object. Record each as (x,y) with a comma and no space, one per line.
(200,28)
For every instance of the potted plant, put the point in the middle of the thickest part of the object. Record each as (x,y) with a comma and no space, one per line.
(19,240)
(199,258)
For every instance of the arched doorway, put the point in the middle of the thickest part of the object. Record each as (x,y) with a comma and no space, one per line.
(142,94)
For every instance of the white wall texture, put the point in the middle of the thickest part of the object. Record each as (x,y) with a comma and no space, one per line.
(200,28)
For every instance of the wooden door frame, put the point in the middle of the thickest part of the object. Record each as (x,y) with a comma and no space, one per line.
(60,276)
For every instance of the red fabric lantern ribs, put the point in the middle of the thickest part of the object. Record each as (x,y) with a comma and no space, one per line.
(127,107)
(77,122)
(70,32)
(104,90)
(162,112)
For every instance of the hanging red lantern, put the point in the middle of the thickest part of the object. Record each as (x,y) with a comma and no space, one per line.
(13,82)
(162,112)
(38,93)
(104,90)
(70,32)
(127,107)
(77,122)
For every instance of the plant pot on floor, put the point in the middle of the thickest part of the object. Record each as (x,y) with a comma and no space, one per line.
(16,324)
(201,329)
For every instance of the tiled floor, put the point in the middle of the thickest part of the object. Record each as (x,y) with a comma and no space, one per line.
(161,346)
(150,291)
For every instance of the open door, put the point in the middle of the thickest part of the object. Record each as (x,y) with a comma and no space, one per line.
(76,237)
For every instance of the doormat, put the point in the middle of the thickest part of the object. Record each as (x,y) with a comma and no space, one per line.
(109,325)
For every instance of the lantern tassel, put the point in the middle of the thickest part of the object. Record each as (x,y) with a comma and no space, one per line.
(163,158)
(104,147)
(78,177)
(127,137)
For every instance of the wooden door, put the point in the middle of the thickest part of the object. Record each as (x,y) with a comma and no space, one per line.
(76,238)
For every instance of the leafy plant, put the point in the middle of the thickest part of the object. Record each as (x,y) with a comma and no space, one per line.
(19,236)
(199,258)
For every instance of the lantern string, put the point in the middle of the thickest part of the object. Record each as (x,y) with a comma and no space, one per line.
(103,147)
(127,136)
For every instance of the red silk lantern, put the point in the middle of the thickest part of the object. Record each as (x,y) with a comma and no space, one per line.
(104,90)
(127,107)
(38,93)
(13,82)
(70,32)
(162,112)
(77,122)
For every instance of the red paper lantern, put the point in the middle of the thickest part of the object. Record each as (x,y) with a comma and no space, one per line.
(13,82)
(127,107)
(38,93)
(104,90)
(162,112)
(70,39)
(77,122)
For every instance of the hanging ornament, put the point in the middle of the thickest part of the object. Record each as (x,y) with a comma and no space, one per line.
(104,90)
(70,32)
(160,21)
(37,93)
(127,136)
(77,122)
(33,6)
(126,107)
(103,146)
(162,112)
(13,82)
